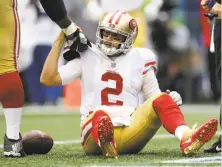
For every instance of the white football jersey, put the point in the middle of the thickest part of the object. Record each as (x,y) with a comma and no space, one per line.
(110,82)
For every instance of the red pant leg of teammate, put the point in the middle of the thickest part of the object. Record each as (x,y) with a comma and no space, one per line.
(11,89)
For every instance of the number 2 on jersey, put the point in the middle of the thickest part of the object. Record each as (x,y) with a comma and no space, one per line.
(112,91)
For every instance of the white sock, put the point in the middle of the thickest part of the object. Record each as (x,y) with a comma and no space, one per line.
(70,29)
(13,119)
(180,131)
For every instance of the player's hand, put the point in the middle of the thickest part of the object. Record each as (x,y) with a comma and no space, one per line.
(175,96)
(77,41)
(216,10)
(60,38)
(69,54)
(205,5)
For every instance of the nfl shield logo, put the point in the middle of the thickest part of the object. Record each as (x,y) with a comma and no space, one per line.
(113,64)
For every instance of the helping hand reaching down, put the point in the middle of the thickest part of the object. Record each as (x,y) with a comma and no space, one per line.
(75,42)
(216,10)
(69,54)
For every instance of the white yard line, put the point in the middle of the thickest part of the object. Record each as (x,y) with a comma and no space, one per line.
(67,142)
(146,166)
(71,165)
(216,159)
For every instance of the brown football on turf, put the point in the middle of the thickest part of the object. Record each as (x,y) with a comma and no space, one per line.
(36,142)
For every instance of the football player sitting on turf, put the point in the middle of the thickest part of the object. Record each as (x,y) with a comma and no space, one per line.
(113,74)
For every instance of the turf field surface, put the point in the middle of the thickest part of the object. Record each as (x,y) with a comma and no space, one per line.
(63,126)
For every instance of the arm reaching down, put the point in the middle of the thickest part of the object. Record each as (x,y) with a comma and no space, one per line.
(216,10)
(56,11)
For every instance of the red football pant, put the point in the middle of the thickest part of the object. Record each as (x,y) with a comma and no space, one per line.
(11,90)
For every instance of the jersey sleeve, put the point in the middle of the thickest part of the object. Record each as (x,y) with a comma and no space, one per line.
(150,84)
(149,61)
(70,71)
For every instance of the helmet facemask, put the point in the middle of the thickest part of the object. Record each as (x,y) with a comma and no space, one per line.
(120,42)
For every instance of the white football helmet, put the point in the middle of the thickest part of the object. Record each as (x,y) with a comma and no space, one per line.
(118,23)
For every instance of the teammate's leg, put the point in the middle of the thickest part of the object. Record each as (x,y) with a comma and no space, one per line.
(11,90)
(215,85)
(12,99)
(216,147)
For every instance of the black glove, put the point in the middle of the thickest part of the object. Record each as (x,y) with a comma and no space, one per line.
(69,54)
(77,41)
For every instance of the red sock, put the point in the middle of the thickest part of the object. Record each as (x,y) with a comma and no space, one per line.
(168,112)
(95,122)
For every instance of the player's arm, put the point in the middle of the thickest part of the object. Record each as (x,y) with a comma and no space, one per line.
(56,10)
(150,84)
(216,10)
(50,75)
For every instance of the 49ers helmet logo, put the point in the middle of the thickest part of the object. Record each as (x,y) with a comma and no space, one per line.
(112,25)
(133,24)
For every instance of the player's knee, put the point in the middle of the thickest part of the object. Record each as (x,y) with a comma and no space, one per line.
(98,114)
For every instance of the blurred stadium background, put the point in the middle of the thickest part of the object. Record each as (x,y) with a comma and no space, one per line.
(176,30)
